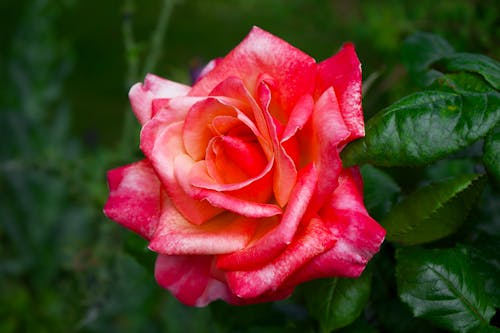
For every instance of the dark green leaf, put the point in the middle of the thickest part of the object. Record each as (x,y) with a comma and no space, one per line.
(461,83)
(477,63)
(491,157)
(433,212)
(486,261)
(419,51)
(442,286)
(359,326)
(424,127)
(336,303)
(380,191)
(449,168)
(487,329)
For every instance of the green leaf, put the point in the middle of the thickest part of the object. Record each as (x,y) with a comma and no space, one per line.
(424,127)
(434,211)
(477,63)
(419,51)
(461,83)
(486,261)
(491,157)
(487,329)
(359,326)
(442,286)
(380,191)
(337,302)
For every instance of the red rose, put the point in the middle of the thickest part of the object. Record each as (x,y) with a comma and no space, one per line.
(242,191)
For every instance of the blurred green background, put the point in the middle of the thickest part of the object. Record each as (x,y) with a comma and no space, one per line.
(65,70)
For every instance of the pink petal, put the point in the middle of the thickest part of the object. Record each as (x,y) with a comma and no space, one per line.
(166,112)
(189,279)
(134,198)
(184,164)
(200,176)
(358,236)
(285,172)
(197,131)
(232,159)
(250,113)
(224,233)
(260,52)
(343,73)
(142,95)
(298,117)
(312,241)
(329,131)
(270,245)
(166,148)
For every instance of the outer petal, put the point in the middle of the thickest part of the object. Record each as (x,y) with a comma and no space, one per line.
(142,95)
(358,236)
(223,234)
(134,199)
(313,240)
(189,279)
(270,245)
(166,112)
(343,73)
(259,53)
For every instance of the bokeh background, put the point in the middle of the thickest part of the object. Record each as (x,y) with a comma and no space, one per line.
(65,70)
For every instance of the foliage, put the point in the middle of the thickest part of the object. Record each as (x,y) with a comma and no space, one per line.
(430,163)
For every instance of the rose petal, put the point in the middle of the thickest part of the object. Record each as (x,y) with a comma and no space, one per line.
(134,198)
(183,165)
(142,95)
(251,115)
(223,234)
(312,241)
(298,117)
(200,176)
(197,131)
(166,148)
(260,52)
(329,131)
(358,236)
(285,172)
(166,112)
(343,73)
(267,247)
(189,279)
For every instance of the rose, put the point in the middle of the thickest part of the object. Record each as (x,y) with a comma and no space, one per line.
(242,191)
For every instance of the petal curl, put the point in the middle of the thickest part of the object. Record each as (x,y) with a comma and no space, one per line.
(141,95)
(134,198)
(343,73)
(329,131)
(272,243)
(358,236)
(312,241)
(189,278)
(285,171)
(241,202)
(166,148)
(224,233)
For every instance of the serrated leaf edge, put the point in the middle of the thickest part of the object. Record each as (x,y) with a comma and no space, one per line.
(411,227)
